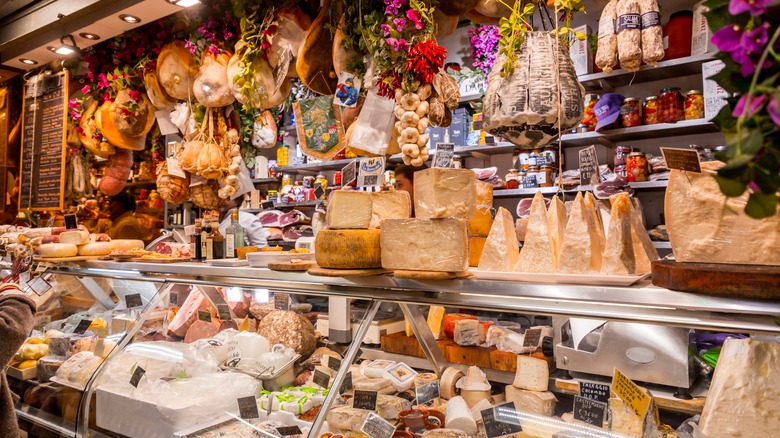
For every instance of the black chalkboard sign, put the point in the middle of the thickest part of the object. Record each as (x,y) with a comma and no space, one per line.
(82,326)
(595,391)
(589,411)
(247,407)
(365,400)
(44,131)
(347,384)
(321,379)
(334,363)
(289,430)
(501,420)
(136,377)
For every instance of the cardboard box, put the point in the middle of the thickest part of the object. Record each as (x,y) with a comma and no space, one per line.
(435,135)
(460,127)
(581,53)
(714,95)
(701,33)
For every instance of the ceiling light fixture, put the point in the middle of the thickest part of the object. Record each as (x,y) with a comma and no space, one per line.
(89,36)
(28,61)
(184,3)
(127,18)
(67,47)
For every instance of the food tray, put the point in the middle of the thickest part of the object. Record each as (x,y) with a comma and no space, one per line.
(261,259)
(580,279)
(285,376)
(59,381)
(25,374)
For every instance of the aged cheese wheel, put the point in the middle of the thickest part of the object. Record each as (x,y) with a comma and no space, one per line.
(348,249)
(75,237)
(95,249)
(58,250)
(448,380)
(126,244)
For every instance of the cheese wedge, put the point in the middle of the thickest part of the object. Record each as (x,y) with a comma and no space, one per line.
(425,244)
(443,193)
(581,250)
(644,251)
(521,225)
(618,256)
(538,254)
(349,210)
(389,205)
(484,194)
(535,402)
(532,374)
(435,321)
(476,246)
(459,416)
(480,224)
(501,249)
(592,204)
(556,218)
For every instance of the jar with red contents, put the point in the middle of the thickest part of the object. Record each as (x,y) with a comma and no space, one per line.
(637,169)
(650,110)
(589,118)
(671,105)
(631,112)
(677,35)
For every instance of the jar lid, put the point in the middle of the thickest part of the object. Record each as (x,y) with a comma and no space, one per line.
(546,166)
(624,148)
(670,89)
(630,99)
(651,98)
(694,92)
(636,154)
(533,168)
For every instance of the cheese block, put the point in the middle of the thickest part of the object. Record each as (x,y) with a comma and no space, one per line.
(95,249)
(126,244)
(52,250)
(374,384)
(536,402)
(537,254)
(348,249)
(532,374)
(476,410)
(459,416)
(469,332)
(378,368)
(75,237)
(389,407)
(346,418)
(625,423)
(349,210)
(744,394)
(521,225)
(701,230)
(476,246)
(644,251)
(389,205)
(480,224)
(436,321)
(581,250)
(556,220)
(501,249)
(425,244)
(451,319)
(444,193)
(618,256)
(484,194)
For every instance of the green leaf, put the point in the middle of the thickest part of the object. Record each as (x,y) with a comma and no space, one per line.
(761,205)
(752,141)
(730,187)
(528,9)
(766,175)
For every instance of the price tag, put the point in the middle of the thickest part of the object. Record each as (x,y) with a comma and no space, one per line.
(371,171)
(443,155)
(377,427)
(281,301)
(247,407)
(40,268)
(501,420)
(319,192)
(595,391)
(334,363)
(39,285)
(289,430)
(174,168)
(321,379)
(70,221)
(530,182)
(631,393)
(267,205)
(427,393)
(589,166)
(532,338)
(133,300)
(348,174)
(589,411)
(223,310)
(204,315)
(346,385)
(364,400)
(136,377)
(83,326)
(173,298)
(682,159)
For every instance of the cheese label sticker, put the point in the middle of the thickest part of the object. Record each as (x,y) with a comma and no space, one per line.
(39,285)
(377,427)
(133,300)
(136,377)
(364,400)
(631,393)
(83,326)
(289,430)
(427,393)
(247,407)
(281,301)
(532,337)
(589,411)
(223,310)
(682,159)
(501,420)
(595,391)
(321,379)
(443,155)
(347,384)
(371,171)
(334,363)
(204,315)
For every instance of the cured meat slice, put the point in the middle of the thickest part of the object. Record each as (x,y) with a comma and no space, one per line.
(270,218)
(295,232)
(537,254)
(293,217)
(581,250)
(619,251)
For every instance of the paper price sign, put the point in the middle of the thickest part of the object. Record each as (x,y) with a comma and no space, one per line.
(377,427)
(443,155)
(589,411)
(348,174)
(631,393)
(39,285)
(501,420)
(427,393)
(595,391)
(682,159)
(371,170)
(281,301)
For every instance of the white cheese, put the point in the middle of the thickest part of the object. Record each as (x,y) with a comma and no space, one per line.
(425,244)
(443,193)
(624,422)
(537,254)
(469,332)
(349,210)
(593,206)
(556,220)
(644,251)
(52,250)
(389,205)
(346,418)
(581,250)
(501,249)
(75,237)
(536,402)
(532,374)
(459,416)
(618,256)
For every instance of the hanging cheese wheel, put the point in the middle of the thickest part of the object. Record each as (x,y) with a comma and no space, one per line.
(449,322)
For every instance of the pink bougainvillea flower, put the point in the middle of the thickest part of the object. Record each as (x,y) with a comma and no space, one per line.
(214,50)
(399,23)
(134,94)
(102,81)
(393,6)
(85,89)
(415,17)
(756,102)
(728,39)
(754,41)
(774,111)
(73,103)
(399,45)
(385,29)
(188,45)
(755,7)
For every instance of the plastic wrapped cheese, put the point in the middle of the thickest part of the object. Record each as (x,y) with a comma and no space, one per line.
(47,367)
(535,402)
(389,205)
(443,193)
(532,374)
(346,418)
(71,344)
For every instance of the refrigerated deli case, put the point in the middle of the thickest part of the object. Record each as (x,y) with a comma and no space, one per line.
(167,356)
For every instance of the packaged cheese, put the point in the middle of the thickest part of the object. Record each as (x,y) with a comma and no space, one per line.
(537,254)
(618,256)
(389,205)
(425,244)
(349,210)
(348,249)
(581,250)
(501,249)
(445,193)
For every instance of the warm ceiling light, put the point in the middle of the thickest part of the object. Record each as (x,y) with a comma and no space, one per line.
(28,61)
(89,36)
(51,48)
(67,46)
(127,18)
(184,3)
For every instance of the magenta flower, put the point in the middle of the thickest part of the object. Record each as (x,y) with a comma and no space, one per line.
(85,89)
(393,6)
(415,17)
(214,50)
(728,38)
(134,94)
(754,41)
(774,111)
(188,45)
(73,103)
(756,102)
(399,45)
(102,81)
(386,29)
(756,7)
(399,23)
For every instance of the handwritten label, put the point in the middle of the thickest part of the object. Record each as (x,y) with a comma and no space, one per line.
(133,300)
(70,222)
(589,166)
(39,285)
(348,174)
(443,156)
(346,385)
(427,393)
(589,411)
(82,326)
(377,427)
(173,298)
(501,420)
(281,301)
(530,182)
(595,391)
(682,159)
(223,310)
(136,377)
(364,400)
(204,315)
(174,168)
(289,430)
(321,379)
(631,393)
(247,407)
(371,170)
(334,363)
(532,337)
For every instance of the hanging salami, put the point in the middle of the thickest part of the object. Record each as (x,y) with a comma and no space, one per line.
(652,34)
(629,34)
(606,53)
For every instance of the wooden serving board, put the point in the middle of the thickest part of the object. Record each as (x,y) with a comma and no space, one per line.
(325,272)
(67,259)
(297,266)
(431,275)
(751,281)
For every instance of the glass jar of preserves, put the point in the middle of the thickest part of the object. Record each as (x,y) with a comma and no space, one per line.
(637,169)
(589,117)
(533,175)
(308,181)
(550,154)
(282,156)
(621,155)
(457,161)
(287,179)
(321,181)
(512,179)
(694,105)
(631,112)
(621,170)
(545,176)
(523,158)
(272,195)
(671,105)
(650,110)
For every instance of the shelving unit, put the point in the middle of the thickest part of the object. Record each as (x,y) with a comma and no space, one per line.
(257,181)
(610,137)
(296,204)
(663,70)
(522,193)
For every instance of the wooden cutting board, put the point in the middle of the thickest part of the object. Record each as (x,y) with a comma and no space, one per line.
(431,275)
(325,272)
(67,259)
(750,281)
(296,266)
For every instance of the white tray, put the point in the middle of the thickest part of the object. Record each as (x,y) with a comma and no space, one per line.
(57,380)
(262,259)
(231,263)
(583,279)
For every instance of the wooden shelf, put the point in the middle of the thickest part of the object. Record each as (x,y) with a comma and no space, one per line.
(266,181)
(527,193)
(674,68)
(644,132)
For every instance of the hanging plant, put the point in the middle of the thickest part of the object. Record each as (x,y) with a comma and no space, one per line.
(214,31)
(484,47)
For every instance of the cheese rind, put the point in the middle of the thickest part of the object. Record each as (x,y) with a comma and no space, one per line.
(532,374)
(52,250)
(75,237)
(537,254)
(476,246)
(436,321)
(618,256)
(348,249)
(644,251)
(444,193)
(389,205)
(349,210)
(425,244)
(480,224)
(95,249)
(581,250)
(501,249)
(536,402)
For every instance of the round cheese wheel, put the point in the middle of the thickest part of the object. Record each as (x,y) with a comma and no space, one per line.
(126,244)
(448,380)
(52,250)
(95,249)
(348,249)
(75,237)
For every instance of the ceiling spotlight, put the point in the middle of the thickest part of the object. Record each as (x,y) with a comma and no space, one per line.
(127,18)
(184,3)
(28,61)
(67,46)
(89,36)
